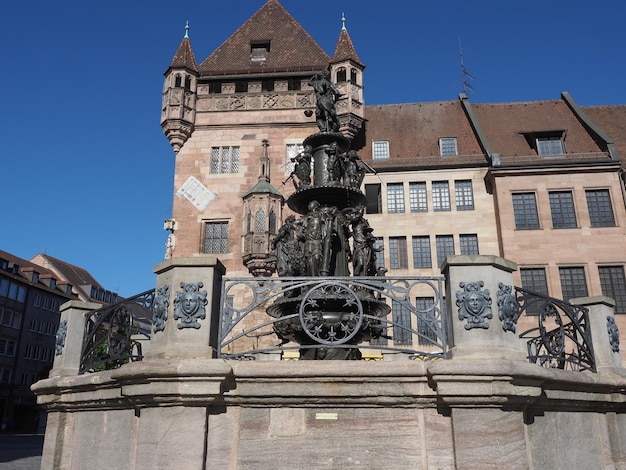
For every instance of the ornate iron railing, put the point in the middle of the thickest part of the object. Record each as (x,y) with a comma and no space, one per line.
(113,333)
(562,337)
(377,315)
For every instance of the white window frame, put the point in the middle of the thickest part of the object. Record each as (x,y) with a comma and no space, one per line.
(448,147)
(380,150)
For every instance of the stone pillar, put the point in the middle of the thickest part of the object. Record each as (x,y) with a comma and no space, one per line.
(73,313)
(478,289)
(603,336)
(187,305)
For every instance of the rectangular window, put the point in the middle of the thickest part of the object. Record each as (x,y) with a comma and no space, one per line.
(447,146)
(379,252)
(534,280)
(464,195)
(292,152)
(395,198)
(469,244)
(425,320)
(525,211)
(397,253)
(417,197)
(215,237)
(573,283)
(421,252)
(401,323)
(445,247)
(613,285)
(224,160)
(441,196)
(550,146)
(562,209)
(380,150)
(374,198)
(600,208)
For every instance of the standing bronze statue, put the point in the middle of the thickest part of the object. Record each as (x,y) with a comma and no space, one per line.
(327,95)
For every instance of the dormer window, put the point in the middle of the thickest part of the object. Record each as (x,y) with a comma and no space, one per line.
(547,143)
(35,276)
(380,150)
(259,50)
(447,147)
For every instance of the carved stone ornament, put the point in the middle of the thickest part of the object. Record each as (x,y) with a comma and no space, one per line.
(613,332)
(508,309)
(189,305)
(60,338)
(474,304)
(160,307)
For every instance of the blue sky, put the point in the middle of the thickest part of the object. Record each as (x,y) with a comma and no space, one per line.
(87,175)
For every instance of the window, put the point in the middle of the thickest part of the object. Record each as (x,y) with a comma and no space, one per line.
(600,208)
(215,237)
(534,280)
(613,285)
(421,252)
(425,320)
(380,150)
(464,195)
(441,196)
(417,197)
(395,198)
(259,50)
(379,252)
(445,247)
(259,221)
(562,209)
(224,160)
(401,323)
(573,283)
(397,253)
(447,146)
(525,211)
(469,244)
(292,152)
(374,199)
(550,146)
(341,74)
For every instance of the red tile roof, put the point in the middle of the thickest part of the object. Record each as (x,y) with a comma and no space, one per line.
(184,57)
(292,49)
(612,121)
(344,50)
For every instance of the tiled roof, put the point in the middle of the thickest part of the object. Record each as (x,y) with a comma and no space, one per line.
(184,57)
(292,49)
(505,125)
(344,50)
(413,131)
(73,274)
(612,121)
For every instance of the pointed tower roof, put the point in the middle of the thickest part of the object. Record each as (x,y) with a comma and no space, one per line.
(263,185)
(184,57)
(344,50)
(289,47)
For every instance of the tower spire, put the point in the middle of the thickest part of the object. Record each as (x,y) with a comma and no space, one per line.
(187,30)
(343,21)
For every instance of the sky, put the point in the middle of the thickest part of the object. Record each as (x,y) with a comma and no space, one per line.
(87,174)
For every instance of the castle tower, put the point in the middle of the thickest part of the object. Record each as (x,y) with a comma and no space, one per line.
(179,95)
(346,71)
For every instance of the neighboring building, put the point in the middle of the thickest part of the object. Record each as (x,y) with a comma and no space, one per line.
(31,293)
(539,183)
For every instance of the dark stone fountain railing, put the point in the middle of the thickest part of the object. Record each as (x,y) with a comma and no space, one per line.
(274,315)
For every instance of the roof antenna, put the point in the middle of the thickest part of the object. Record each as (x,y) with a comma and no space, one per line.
(466,76)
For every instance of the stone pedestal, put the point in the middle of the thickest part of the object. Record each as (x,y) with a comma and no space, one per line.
(476,293)
(188,293)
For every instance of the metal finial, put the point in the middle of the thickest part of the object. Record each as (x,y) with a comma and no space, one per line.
(187,30)
(343,20)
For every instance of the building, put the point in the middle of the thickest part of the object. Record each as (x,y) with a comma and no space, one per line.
(31,293)
(539,183)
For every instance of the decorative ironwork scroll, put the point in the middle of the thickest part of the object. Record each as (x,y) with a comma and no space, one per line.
(562,338)
(113,333)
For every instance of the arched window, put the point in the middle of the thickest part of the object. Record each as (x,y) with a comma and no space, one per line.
(353,75)
(259,221)
(341,75)
(272,221)
(177,81)
(187,82)
(248,222)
